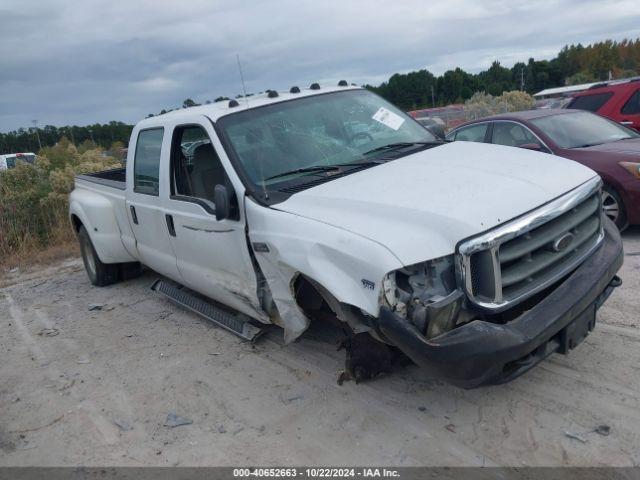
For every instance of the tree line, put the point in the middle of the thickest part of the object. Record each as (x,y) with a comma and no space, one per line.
(574,64)
(31,140)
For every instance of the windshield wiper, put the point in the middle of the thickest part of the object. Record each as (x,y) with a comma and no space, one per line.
(327,168)
(587,145)
(398,145)
(316,168)
(361,163)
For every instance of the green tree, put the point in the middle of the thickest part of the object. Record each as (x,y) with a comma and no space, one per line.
(189,103)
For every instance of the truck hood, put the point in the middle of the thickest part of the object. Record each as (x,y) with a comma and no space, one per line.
(420,206)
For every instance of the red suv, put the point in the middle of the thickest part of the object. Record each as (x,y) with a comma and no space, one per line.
(617,100)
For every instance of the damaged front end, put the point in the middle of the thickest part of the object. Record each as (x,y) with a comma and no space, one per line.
(426,295)
(428,317)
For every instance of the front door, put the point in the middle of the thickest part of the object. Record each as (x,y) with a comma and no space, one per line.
(213,256)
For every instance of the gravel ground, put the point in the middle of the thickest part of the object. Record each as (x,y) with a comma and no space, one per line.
(94,387)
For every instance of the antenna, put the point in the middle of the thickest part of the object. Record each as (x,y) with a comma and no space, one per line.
(246,100)
(35,128)
(244,89)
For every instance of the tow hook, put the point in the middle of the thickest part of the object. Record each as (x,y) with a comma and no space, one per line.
(366,358)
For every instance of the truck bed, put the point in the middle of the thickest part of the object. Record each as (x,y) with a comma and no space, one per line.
(116,178)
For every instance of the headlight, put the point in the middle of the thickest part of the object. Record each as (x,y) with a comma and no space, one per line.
(632,167)
(426,294)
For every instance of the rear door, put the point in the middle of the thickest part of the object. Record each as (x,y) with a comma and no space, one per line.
(213,256)
(144,208)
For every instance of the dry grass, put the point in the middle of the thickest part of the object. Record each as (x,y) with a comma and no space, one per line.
(32,253)
(38,257)
(43,236)
(34,226)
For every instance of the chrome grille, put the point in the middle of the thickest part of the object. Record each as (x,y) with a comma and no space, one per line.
(522,257)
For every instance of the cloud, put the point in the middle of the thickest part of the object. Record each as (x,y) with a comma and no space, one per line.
(67,62)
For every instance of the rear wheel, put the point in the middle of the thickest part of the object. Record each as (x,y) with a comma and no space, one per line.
(613,207)
(100,274)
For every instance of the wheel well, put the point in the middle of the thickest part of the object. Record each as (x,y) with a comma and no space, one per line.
(318,303)
(306,294)
(76,222)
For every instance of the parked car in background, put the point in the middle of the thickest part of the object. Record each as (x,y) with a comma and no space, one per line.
(610,149)
(619,101)
(557,102)
(435,125)
(10,160)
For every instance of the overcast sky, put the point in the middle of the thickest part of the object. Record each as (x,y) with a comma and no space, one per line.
(80,62)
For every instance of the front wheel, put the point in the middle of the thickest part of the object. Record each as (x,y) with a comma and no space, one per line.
(100,274)
(613,207)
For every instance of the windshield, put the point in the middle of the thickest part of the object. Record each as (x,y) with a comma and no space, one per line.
(317,132)
(581,129)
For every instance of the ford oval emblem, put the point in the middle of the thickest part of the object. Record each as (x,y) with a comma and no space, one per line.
(562,242)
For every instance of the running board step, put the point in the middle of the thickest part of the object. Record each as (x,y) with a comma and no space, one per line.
(236,323)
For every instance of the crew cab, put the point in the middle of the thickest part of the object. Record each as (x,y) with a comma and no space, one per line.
(330,204)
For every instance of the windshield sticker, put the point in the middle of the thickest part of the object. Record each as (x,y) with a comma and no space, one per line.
(388,118)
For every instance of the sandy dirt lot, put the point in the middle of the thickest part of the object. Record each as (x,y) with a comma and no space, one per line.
(94,387)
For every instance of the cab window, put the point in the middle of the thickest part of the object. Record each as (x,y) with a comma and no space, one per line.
(195,164)
(146,166)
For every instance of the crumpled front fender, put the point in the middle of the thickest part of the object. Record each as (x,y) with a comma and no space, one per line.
(348,266)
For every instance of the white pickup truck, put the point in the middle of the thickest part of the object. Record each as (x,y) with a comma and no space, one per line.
(476,261)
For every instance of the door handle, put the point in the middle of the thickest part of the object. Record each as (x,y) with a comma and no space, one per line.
(626,122)
(170,226)
(134,217)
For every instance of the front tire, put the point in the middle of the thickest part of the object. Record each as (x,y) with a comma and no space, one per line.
(100,274)
(613,207)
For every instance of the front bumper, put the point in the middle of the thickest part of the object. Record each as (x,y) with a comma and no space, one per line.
(481,352)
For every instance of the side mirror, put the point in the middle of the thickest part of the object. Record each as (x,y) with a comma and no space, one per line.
(222,199)
(532,146)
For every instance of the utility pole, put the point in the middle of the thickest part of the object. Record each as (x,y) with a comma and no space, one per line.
(522,79)
(35,126)
(433,97)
